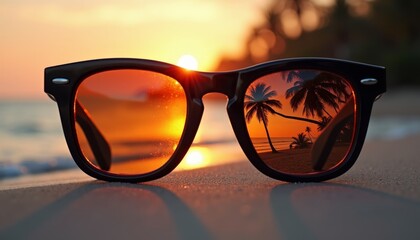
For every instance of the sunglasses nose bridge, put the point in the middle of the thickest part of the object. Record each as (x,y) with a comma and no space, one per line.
(224,83)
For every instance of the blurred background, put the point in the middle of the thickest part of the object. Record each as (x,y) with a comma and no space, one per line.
(382,32)
(212,35)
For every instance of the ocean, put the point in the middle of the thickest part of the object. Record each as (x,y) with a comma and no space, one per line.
(32,141)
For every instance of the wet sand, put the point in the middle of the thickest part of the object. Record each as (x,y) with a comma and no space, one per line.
(379,198)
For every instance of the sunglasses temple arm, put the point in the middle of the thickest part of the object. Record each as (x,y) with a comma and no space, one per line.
(325,141)
(97,142)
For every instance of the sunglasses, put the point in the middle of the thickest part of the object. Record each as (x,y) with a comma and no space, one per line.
(133,120)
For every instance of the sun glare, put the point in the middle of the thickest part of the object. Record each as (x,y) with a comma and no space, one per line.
(188,62)
(194,158)
(197,157)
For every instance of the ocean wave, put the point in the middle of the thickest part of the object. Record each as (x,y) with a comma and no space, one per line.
(35,166)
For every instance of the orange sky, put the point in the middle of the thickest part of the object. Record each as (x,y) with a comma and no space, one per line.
(37,34)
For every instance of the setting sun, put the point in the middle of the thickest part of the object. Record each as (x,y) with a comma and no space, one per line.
(188,62)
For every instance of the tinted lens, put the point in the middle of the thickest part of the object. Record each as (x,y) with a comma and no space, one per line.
(300,121)
(129,121)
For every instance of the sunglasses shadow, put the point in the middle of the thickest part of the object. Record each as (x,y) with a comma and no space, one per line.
(160,215)
(293,211)
(336,211)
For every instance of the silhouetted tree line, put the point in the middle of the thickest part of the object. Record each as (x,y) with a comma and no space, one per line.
(382,32)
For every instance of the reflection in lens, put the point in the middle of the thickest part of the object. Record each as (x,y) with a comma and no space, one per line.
(141,115)
(300,121)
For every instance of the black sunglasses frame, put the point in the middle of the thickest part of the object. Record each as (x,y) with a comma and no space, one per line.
(367,81)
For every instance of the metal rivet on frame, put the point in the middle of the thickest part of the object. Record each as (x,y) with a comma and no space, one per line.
(60,81)
(369,81)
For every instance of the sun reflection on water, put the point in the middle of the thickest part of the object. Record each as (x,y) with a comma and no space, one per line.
(196,157)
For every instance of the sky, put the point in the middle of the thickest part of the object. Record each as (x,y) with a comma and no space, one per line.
(39,33)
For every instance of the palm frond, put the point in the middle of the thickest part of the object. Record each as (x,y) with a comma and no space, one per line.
(274,103)
(327,97)
(297,99)
(250,113)
(292,75)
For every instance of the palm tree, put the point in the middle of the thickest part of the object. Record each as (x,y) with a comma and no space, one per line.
(301,141)
(324,123)
(319,123)
(308,130)
(259,103)
(315,90)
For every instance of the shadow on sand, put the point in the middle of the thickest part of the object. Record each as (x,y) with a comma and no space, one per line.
(107,211)
(335,211)
(286,211)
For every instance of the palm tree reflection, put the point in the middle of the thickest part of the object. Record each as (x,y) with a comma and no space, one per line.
(319,94)
(259,103)
(315,90)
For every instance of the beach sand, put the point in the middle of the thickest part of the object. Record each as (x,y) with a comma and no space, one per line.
(379,198)
(299,161)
